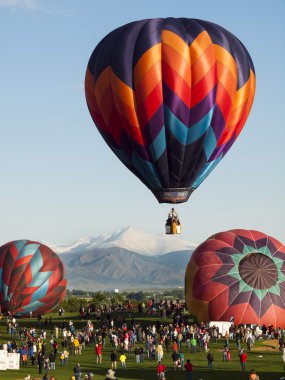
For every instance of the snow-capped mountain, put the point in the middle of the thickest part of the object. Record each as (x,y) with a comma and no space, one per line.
(130,239)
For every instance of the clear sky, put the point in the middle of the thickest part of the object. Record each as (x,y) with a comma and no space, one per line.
(60,181)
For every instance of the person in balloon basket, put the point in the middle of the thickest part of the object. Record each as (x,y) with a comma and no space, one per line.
(210,358)
(189,369)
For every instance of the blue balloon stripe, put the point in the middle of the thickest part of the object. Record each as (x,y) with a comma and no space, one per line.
(39,278)
(210,143)
(41,292)
(19,245)
(198,129)
(28,249)
(4,291)
(175,126)
(206,171)
(36,262)
(158,146)
(146,170)
(31,307)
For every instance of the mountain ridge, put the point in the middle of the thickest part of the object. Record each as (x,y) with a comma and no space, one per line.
(131,239)
(127,258)
(110,268)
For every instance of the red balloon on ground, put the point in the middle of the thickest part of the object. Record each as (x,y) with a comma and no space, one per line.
(31,278)
(240,274)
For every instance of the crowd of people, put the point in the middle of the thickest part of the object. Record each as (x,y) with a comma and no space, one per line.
(47,344)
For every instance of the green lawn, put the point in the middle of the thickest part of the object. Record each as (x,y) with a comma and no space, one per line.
(269,366)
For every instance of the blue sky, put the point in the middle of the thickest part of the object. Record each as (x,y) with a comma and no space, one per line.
(59,180)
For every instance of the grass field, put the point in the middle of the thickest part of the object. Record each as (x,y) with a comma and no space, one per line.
(266,359)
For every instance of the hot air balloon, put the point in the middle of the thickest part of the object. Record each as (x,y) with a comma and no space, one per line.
(170,97)
(237,274)
(31,278)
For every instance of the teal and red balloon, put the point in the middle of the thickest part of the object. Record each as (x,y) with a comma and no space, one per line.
(31,278)
(238,273)
(170,97)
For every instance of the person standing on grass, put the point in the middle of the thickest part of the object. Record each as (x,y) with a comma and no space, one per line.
(77,371)
(210,358)
(123,359)
(228,354)
(175,358)
(243,359)
(189,369)
(137,354)
(46,364)
(113,358)
(52,360)
(167,343)
(98,350)
(181,359)
(224,354)
(66,355)
(40,362)
(141,355)
(160,370)
(283,354)
(193,343)
(159,351)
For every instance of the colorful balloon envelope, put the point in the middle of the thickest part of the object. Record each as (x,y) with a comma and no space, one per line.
(239,274)
(170,97)
(31,278)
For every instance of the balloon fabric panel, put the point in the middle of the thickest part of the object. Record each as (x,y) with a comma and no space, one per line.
(170,97)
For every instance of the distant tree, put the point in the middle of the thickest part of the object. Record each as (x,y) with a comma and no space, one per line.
(100,298)
(117,298)
(73,303)
(137,296)
(175,293)
(78,292)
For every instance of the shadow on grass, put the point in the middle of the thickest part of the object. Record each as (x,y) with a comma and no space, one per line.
(148,374)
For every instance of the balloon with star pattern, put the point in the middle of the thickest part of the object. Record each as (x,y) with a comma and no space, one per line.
(237,273)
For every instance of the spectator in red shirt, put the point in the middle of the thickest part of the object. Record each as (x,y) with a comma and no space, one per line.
(161,370)
(189,368)
(98,350)
(243,359)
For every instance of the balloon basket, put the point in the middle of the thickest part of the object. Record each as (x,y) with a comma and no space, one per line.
(172,225)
